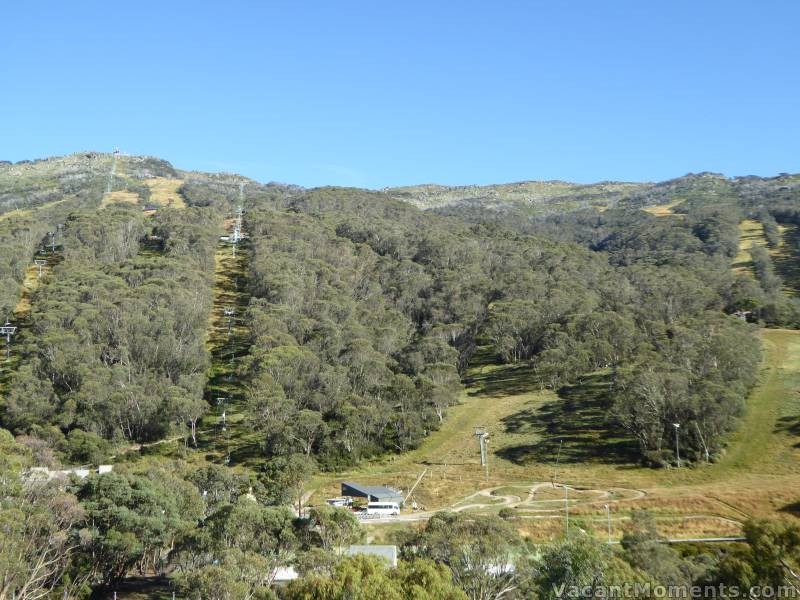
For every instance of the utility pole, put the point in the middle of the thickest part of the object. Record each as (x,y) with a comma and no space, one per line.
(566,510)
(677,426)
(608,520)
(558,458)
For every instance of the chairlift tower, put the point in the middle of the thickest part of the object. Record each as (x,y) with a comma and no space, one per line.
(113,171)
(41,264)
(230,314)
(8,330)
(483,439)
(677,427)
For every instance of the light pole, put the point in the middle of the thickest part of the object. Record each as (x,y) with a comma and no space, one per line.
(558,458)
(677,426)
(608,520)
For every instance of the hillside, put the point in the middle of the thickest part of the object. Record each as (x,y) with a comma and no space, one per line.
(526,202)
(235,350)
(529,197)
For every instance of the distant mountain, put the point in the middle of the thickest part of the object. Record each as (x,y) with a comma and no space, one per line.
(520,203)
(532,197)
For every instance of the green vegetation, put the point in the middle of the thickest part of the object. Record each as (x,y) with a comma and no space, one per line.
(353,335)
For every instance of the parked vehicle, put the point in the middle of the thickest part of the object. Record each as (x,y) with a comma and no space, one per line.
(344,502)
(383,508)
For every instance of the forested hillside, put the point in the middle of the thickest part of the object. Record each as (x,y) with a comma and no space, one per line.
(365,311)
(363,314)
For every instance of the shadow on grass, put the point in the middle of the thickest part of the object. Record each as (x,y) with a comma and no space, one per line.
(228,343)
(137,588)
(792,509)
(578,422)
(491,378)
(790,425)
(787,259)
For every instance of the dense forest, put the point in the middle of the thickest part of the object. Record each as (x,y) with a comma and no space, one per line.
(364,314)
(416,295)
(366,311)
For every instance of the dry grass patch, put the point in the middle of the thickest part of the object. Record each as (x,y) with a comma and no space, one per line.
(751,233)
(164,192)
(664,210)
(29,284)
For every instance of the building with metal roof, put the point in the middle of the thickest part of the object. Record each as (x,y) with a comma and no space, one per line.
(371,493)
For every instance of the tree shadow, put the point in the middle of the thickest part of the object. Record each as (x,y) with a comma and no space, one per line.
(786,259)
(575,428)
(790,425)
(792,509)
(502,380)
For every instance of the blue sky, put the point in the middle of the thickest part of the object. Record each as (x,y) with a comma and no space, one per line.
(390,93)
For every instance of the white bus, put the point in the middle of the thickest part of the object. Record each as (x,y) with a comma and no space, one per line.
(383,508)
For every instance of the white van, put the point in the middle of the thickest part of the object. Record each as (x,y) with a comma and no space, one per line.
(340,502)
(383,508)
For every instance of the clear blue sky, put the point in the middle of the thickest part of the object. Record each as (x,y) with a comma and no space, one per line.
(389,93)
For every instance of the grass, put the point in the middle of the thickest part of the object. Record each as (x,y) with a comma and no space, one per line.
(786,258)
(227,342)
(119,197)
(24,212)
(29,284)
(164,192)
(758,476)
(139,588)
(664,210)
(751,233)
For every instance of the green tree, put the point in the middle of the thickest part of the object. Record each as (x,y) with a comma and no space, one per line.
(576,566)
(337,528)
(361,577)
(488,559)
(40,530)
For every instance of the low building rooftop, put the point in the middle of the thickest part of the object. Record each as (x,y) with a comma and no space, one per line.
(386,552)
(371,491)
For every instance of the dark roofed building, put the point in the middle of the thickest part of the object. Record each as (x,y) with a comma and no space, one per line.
(371,493)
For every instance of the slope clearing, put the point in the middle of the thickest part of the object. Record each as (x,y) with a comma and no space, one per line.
(751,233)
(224,438)
(164,192)
(786,258)
(759,475)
